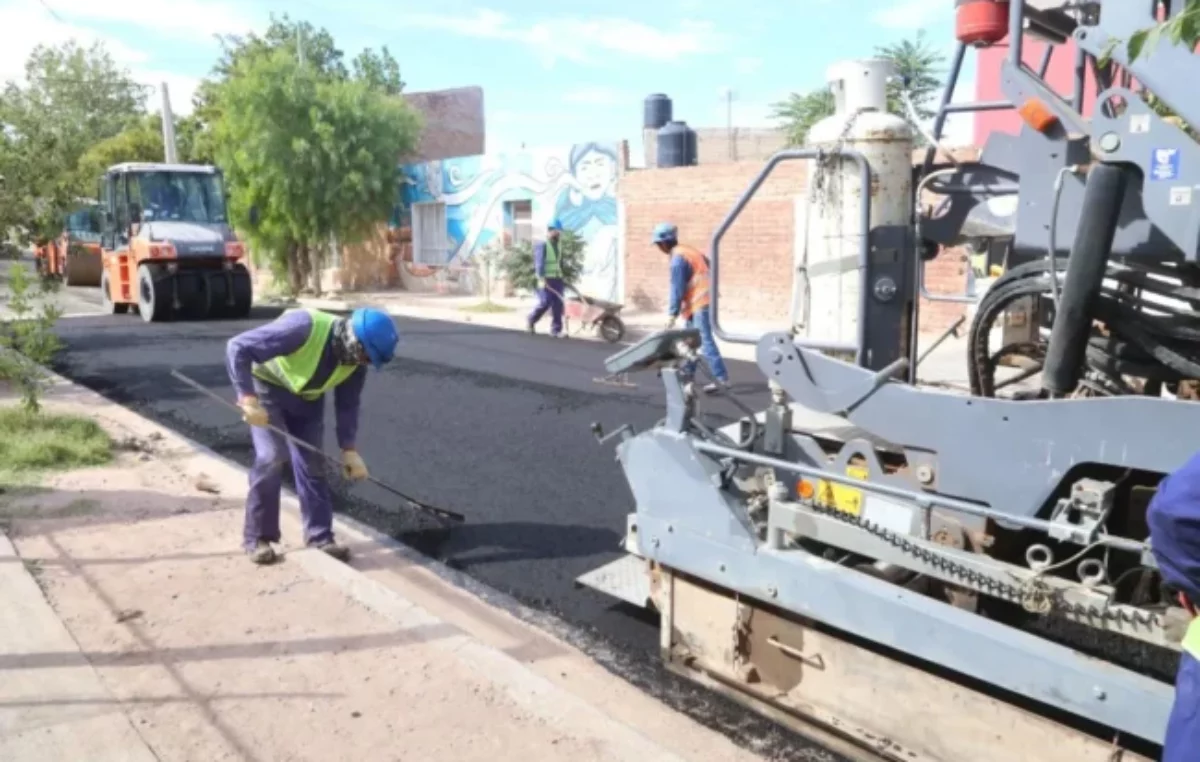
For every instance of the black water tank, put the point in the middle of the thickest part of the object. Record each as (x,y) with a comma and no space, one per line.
(656,112)
(676,145)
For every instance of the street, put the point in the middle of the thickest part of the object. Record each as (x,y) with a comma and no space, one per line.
(491,423)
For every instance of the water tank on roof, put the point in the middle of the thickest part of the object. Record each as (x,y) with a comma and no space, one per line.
(656,112)
(676,145)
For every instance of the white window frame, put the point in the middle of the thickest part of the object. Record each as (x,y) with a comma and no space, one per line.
(522,225)
(430,244)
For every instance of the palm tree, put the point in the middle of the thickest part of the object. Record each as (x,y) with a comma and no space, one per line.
(916,61)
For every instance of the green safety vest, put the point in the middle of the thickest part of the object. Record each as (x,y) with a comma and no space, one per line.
(294,371)
(1191,639)
(551,268)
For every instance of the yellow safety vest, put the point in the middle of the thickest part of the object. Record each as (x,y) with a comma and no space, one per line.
(294,371)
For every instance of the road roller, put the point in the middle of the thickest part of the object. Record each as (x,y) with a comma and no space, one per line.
(73,256)
(168,250)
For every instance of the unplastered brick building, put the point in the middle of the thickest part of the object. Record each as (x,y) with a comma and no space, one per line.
(758,253)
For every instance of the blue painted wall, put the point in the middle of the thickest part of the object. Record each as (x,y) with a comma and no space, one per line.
(575,183)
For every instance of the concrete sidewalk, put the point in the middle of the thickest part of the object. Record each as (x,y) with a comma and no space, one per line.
(134,629)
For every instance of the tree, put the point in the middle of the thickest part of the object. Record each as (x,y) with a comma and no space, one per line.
(73,98)
(303,42)
(313,155)
(142,141)
(916,62)
(517,261)
(1182,29)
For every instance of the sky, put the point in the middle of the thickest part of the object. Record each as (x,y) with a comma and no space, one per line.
(552,73)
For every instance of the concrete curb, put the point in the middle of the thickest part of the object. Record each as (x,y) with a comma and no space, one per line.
(532,691)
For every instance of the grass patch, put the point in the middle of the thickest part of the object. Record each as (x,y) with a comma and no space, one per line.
(39,442)
(487,307)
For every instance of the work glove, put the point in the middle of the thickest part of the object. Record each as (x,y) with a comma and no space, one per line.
(670,324)
(253,412)
(353,466)
(541,283)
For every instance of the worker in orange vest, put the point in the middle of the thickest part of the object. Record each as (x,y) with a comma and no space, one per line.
(690,298)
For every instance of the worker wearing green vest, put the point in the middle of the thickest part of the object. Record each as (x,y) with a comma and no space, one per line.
(1173,518)
(547,266)
(281,372)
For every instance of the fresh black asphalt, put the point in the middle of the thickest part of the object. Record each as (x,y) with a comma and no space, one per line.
(491,423)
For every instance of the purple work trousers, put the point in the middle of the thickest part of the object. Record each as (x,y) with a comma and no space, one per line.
(304,420)
(550,298)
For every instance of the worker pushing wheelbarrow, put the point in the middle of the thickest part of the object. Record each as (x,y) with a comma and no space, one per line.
(597,314)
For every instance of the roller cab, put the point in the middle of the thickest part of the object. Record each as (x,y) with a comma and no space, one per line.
(168,250)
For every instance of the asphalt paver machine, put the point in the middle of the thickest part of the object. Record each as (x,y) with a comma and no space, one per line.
(916,574)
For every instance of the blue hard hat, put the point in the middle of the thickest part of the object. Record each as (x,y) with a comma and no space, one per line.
(665,231)
(554,224)
(376,332)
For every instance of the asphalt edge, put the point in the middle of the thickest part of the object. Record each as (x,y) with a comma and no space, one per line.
(522,684)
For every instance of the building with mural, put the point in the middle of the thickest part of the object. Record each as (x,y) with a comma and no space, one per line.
(453,209)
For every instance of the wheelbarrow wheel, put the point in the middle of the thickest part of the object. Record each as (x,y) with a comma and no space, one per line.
(612,328)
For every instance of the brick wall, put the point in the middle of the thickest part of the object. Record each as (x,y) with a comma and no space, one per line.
(453,123)
(761,241)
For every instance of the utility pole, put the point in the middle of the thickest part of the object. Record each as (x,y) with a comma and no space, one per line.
(728,94)
(168,124)
(299,45)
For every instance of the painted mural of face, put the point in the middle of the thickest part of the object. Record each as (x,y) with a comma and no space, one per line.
(596,174)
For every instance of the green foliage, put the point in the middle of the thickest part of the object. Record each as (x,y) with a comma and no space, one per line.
(315,154)
(517,261)
(27,339)
(74,97)
(916,60)
(1183,29)
(141,141)
(32,441)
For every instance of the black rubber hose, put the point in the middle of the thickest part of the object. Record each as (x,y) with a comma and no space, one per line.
(1142,345)
(1086,267)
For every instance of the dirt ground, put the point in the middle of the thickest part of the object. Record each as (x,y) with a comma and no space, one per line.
(210,658)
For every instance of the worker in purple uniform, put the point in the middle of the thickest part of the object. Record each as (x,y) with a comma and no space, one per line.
(1174,521)
(547,266)
(281,372)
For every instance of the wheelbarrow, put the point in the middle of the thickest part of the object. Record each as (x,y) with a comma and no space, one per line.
(599,315)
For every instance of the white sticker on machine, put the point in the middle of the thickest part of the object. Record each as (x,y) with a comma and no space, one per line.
(1139,123)
(1181,196)
(887,514)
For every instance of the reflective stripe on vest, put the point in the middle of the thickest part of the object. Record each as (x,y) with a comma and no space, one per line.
(294,371)
(695,295)
(1191,639)
(551,265)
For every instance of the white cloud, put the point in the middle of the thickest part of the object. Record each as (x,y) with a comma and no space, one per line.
(24,27)
(27,25)
(183,18)
(582,40)
(912,14)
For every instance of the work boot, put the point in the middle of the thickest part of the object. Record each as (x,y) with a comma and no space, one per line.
(717,387)
(263,554)
(529,327)
(333,550)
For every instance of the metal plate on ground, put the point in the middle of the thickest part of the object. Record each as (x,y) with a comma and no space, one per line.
(627,579)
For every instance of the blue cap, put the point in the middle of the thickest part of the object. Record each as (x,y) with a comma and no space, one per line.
(376,331)
(665,231)
(554,224)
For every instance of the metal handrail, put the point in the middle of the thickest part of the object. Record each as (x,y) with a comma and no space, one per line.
(863,255)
